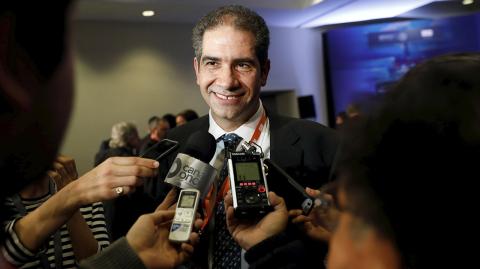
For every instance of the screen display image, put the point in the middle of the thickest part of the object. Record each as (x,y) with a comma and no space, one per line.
(247,171)
(188,199)
(363,62)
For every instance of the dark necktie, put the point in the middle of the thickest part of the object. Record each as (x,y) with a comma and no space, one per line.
(226,252)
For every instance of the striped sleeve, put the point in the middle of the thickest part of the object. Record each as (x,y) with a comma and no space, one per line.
(95,219)
(14,251)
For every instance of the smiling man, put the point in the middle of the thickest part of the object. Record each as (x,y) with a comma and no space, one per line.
(231,65)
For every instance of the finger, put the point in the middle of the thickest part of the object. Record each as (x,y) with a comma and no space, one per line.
(169,200)
(301,219)
(276,201)
(198,223)
(128,161)
(294,213)
(229,217)
(187,248)
(312,192)
(69,164)
(128,170)
(54,175)
(130,181)
(123,190)
(162,216)
(228,199)
(194,238)
(59,168)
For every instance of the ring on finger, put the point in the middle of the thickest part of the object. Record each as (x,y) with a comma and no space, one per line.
(119,190)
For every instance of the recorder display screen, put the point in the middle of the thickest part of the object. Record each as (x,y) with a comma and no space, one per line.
(247,171)
(188,199)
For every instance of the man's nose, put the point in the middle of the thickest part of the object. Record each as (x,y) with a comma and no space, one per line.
(227,78)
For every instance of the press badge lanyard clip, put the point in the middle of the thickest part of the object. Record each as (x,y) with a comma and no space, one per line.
(17,201)
(210,200)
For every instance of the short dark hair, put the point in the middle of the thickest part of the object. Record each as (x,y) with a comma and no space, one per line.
(170,118)
(409,169)
(243,19)
(189,114)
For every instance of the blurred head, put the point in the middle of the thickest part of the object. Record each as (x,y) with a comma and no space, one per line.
(353,110)
(170,118)
(36,83)
(152,123)
(341,118)
(186,116)
(231,63)
(160,131)
(124,134)
(407,171)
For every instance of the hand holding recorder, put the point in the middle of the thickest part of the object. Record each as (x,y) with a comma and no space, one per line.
(248,232)
(149,237)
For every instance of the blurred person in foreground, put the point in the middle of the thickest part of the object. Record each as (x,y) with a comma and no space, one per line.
(407,177)
(36,90)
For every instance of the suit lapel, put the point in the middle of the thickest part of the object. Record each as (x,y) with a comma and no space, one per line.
(283,143)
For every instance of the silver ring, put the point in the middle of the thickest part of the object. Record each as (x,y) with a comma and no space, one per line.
(119,190)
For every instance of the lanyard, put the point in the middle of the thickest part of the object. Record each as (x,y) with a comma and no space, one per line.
(17,201)
(211,199)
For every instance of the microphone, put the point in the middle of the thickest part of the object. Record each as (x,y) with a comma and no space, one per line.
(191,168)
(284,185)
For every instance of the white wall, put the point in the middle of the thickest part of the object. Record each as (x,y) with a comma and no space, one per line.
(131,71)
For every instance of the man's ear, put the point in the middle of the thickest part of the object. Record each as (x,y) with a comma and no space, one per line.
(197,68)
(265,69)
(13,97)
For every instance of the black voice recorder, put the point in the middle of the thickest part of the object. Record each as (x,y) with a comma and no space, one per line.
(248,184)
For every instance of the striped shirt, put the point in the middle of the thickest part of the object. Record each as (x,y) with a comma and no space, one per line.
(20,256)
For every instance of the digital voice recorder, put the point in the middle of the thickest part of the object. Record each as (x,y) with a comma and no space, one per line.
(248,184)
(184,215)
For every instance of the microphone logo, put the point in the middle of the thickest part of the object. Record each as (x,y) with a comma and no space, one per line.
(188,172)
(176,166)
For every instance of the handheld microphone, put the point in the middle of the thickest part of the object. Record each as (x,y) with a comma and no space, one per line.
(284,185)
(191,168)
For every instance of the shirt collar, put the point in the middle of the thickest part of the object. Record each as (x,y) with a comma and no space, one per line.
(245,131)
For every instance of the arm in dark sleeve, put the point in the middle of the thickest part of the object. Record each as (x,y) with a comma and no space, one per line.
(119,255)
(277,252)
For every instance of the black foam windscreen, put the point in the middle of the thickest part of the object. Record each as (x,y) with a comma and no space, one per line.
(201,145)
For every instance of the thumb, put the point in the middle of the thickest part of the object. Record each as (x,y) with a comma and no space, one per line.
(161,216)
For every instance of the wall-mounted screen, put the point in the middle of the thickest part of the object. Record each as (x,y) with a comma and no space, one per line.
(363,61)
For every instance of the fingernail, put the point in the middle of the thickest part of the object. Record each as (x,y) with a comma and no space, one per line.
(156,164)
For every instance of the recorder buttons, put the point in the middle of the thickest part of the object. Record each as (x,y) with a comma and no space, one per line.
(261,188)
(251,198)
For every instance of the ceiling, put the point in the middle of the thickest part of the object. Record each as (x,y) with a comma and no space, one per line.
(282,13)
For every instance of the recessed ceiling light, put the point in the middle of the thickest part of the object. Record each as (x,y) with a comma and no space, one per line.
(467,2)
(314,2)
(148,13)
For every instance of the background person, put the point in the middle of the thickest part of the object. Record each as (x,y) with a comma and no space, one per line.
(185,116)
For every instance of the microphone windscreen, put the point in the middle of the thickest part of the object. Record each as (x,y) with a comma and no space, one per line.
(201,145)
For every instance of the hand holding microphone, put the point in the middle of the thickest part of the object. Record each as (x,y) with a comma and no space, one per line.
(191,168)
(192,173)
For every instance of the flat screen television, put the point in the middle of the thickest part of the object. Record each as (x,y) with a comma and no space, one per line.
(362,62)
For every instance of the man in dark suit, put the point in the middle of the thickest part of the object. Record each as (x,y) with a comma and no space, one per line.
(231,65)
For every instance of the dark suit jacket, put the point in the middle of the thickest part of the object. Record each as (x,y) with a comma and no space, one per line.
(306,150)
